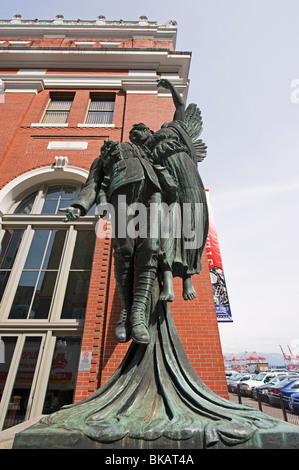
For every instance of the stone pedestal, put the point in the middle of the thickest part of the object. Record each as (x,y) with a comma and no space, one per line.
(40,436)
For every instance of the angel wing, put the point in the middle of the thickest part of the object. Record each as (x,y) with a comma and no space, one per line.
(193,123)
(200,149)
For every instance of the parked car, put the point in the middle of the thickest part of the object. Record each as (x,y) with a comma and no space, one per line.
(262,390)
(294,402)
(287,387)
(234,383)
(231,374)
(260,379)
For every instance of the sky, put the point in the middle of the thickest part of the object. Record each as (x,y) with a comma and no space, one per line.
(244,76)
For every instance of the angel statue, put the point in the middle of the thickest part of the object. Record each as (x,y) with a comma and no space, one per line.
(152,168)
(178,257)
(154,399)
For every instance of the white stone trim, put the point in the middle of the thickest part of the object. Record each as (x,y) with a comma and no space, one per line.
(35,177)
(159,60)
(72,145)
(19,43)
(32,72)
(110,44)
(95,125)
(46,124)
(14,84)
(85,43)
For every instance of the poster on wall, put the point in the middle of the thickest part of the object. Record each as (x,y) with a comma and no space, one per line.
(221,300)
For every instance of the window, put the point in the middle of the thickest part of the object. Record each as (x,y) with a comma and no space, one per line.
(78,282)
(100,110)
(9,248)
(58,197)
(53,254)
(58,108)
(63,373)
(36,285)
(45,269)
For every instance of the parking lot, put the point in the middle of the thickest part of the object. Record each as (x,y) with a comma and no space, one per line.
(273,411)
(270,392)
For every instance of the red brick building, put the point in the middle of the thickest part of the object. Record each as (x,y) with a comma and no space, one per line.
(65,87)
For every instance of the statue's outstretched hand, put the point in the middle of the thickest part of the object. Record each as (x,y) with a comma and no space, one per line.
(163,82)
(72,213)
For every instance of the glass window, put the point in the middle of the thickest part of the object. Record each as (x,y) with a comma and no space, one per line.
(58,108)
(63,374)
(19,399)
(26,204)
(36,286)
(58,197)
(100,110)
(75,300)
(9,347)
(9,248)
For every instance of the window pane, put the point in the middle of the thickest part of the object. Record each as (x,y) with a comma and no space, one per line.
(55,117)
(53,192)
(26,205)
(16,412)
(63,375)
(58,196)
(58,108)
(76,295)
(60,105)
(97,105)
(9,248)
(9,347)
(54,249)
(100,110)
(43,296)
(102,117)
(37,249)
(83,252)
(69,192)
(50,206)
(4,275)
(22,300)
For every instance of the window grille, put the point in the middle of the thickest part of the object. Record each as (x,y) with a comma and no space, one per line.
(100,110)
(58,109)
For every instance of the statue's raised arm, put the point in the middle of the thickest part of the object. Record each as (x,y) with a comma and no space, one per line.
(190,117)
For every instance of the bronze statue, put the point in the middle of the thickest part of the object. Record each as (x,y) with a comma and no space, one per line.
(175,146)
(154,399)
(154,167)
(122,175)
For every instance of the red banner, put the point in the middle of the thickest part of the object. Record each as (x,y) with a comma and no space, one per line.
(222,306)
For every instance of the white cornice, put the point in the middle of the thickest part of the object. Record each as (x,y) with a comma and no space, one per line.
(162,61)
(136,82)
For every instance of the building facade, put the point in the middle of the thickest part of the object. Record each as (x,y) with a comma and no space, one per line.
(65,88)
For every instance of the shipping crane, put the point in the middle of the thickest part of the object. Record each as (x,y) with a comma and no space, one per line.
(290,360)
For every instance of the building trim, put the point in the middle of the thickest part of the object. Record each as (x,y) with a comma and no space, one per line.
(28,180)
(139,81)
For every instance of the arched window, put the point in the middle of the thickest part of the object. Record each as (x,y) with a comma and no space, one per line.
(45,269)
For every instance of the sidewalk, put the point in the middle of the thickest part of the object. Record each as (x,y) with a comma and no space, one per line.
(267,409)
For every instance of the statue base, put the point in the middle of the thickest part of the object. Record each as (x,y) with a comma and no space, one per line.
(40,436)
(155,400)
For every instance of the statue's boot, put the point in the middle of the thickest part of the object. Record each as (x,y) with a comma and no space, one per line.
(143,287)
(124,276)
